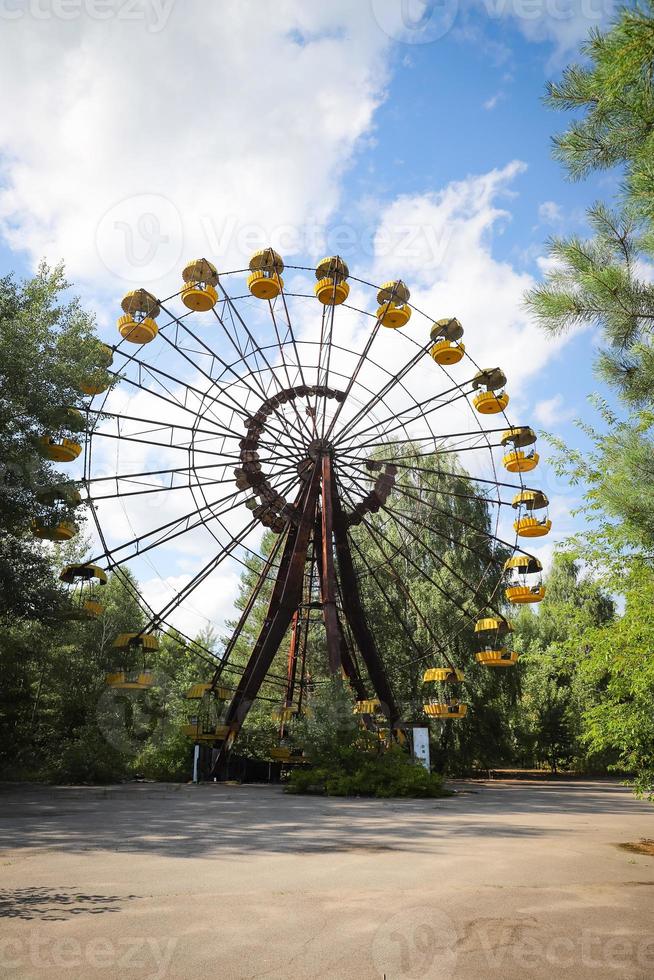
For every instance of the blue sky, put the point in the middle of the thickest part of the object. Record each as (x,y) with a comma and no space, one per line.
(411,133)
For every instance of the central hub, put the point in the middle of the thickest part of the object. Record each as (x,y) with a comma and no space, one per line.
(319,448)
(269,506)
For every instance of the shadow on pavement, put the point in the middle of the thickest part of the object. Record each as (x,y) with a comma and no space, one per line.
(185,821)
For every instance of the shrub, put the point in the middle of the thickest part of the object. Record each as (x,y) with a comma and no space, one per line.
(390,774)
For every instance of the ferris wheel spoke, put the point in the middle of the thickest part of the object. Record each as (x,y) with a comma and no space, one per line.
(379,397)
(389,602)
(134,476)
(285,365)
(175,402)
(439,558)
(153,489)
(279,452)
(435,644)
(400,550)
(256,348)
(459,520)
(422,415)
(291,334)
(382,311)
(242,379)
(174,527)
(263,577)
(156,374)
(401,522)
(160,424)
(425,488)
(449,473)
(200,576)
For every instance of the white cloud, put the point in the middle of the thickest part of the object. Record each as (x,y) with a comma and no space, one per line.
(552,411)
(229,126)
(564,24)
(550,212)
(491,103)
(442,245)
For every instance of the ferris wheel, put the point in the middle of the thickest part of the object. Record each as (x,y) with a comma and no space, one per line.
(347,423)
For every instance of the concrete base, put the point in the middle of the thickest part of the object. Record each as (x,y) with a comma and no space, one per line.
(507,879)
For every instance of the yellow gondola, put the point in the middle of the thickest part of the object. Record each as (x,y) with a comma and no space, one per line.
(521,592)
(198,691)
(393,298)
(62,497)
(284,713)
(490,631)
(265,279)
(81,577)
(140,310)
(200,280)
(283,753)
(98,381)
(443,675)
(195,730)
(136,641)
(57,531)
(526,525)
(446,705)
(488,401)
(446,335)
(65,493)
(122,680)
(497,658)
(370,706)
(445,709)
(62,450)
(516,460)
(331,288)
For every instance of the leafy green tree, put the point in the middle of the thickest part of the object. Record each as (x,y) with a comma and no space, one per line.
(48,349)
(619,668)
(348,760)
(605,280)
(554,691)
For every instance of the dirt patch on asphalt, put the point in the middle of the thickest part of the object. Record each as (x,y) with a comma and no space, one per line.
(644,846)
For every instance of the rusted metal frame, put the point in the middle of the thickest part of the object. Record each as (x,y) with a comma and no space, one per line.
(286,596)
(354,612)
(291,670)
(328,577)
(350,665)
(398,579)
(254,595)
(305,631)
(346,660)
